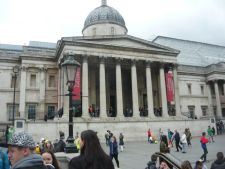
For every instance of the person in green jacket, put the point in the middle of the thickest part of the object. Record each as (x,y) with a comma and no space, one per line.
(210,134)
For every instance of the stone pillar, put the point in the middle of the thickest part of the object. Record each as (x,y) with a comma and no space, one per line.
(134,89)
(59,87)
(149,90)
(85,102)
(224,88)
(23,81)
(42,83)
(103,113)
(119,91)
(176,91)
(210,100)
(163,92)
(218,103)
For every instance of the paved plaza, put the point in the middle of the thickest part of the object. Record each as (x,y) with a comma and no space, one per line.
(137,154)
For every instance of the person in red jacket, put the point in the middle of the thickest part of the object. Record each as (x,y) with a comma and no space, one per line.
(204,141)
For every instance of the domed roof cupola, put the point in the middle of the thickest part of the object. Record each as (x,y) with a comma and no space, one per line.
(104,20)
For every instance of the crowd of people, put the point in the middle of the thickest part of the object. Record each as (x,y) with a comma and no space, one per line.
(24,153)
(181,143)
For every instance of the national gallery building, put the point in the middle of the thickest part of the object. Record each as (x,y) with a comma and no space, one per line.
(124,84)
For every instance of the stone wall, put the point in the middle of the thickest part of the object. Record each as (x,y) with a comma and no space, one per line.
(133,130)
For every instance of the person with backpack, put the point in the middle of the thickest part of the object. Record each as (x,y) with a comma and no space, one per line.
(170,134)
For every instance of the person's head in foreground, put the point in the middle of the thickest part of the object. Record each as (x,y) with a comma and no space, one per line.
(21,152)
(49,159)
(91,153)
(163,165)
(186,165)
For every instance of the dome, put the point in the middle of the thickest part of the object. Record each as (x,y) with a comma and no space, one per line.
(104,14)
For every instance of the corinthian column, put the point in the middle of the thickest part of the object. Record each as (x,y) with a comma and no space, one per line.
(85,103)
(218,103)
(163,92)
(149,90)
(119,94)
(102,88)
(134,89)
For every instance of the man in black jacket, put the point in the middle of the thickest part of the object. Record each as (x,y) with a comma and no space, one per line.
(21,152)
(176,137)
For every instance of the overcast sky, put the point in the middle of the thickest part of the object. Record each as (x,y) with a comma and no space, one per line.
(49,20)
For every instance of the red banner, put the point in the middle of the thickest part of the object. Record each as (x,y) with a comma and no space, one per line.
(76,88)
(170,87)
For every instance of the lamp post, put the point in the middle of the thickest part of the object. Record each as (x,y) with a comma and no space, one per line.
(70,66)
(15,71)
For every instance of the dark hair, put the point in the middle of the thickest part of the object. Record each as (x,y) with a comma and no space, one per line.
(199,163)
(164,139)
(54,160)
(154,158)
(220,156)
(92,152)
(186,165)
(203,133)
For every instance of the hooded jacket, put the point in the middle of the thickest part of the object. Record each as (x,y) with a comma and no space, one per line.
(33,161)
(218,164)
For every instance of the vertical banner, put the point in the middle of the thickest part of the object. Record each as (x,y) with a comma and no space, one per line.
(170,87)
(76,88)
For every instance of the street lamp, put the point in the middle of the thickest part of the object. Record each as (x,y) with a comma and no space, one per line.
(15,71)
(70,66)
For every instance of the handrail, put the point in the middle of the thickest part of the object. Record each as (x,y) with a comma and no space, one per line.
(170,159)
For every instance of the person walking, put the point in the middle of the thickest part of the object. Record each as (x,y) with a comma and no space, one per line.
(183,141)
(114,150)
(163,147)
(21,152)
(210,134)
(170,134)
(92,156)
(149,135)
(188,136)
(121,142)
(176,137)
(204,141)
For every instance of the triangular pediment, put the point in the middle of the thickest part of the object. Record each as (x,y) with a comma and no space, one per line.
(124,41)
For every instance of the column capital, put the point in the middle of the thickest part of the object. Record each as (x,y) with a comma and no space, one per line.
(162,64)
(148,63)
(24,68)
(43,69)
(102,59)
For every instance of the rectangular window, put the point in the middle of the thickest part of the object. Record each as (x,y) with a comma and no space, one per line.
(51,112)
(204,110)
(189,88)
(202,89)
(51,81)
(31,111)
(10,111)
(214,110)
(32,80)
(191,110)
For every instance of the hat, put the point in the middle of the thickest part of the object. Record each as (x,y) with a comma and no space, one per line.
(22,139)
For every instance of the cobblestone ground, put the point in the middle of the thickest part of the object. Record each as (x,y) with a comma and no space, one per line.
(137,154)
